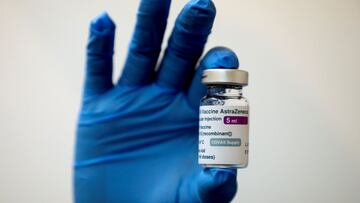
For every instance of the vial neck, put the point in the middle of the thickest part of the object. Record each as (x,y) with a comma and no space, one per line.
(225,90)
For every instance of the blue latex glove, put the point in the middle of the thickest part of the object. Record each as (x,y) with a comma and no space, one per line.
(137,140)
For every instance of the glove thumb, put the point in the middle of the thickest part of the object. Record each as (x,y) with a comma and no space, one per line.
(216,185)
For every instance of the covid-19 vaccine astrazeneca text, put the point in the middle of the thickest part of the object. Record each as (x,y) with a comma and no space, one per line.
(224,120)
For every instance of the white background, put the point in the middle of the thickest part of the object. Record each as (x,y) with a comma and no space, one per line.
(304,64)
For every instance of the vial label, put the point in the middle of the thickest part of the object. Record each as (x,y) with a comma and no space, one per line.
(224,135)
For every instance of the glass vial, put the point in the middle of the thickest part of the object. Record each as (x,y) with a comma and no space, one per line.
(224,120)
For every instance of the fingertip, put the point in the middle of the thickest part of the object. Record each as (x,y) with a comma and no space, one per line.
(220,57)
(201,6)
(199,14)
(102,34)
(99,50)
(103,24)
(154,6)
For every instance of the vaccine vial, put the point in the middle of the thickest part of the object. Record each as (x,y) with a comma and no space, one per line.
(224,120)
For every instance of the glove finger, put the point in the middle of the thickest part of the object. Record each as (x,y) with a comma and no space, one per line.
(218,57)
(98,77)
(216,185)
(186,43)
(146,42)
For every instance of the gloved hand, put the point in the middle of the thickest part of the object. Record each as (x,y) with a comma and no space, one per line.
(137,140)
